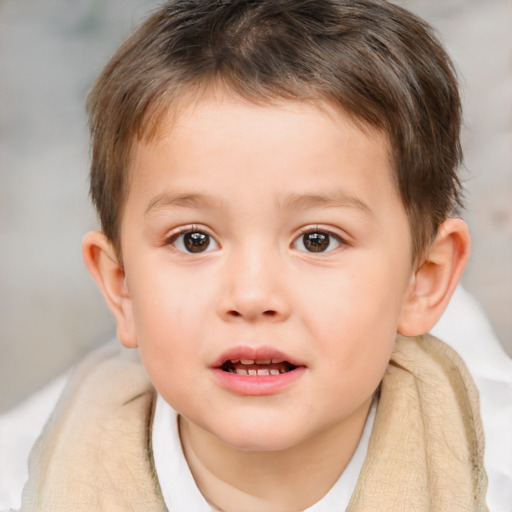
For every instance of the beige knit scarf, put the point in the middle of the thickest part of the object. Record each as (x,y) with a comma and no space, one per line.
(425,452)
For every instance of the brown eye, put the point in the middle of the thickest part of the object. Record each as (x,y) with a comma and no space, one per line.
(317,241)
(194,242)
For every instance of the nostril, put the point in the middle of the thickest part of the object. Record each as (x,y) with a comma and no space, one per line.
(268,313)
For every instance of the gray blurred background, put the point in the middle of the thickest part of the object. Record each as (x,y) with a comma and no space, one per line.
(50,53)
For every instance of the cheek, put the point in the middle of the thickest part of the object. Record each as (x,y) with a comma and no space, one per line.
(170,320)
(353,319)
(351,302)
(169,302)
(170,329)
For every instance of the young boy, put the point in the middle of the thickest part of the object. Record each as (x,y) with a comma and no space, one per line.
(276,183)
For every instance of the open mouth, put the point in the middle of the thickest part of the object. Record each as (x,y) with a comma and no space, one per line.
(258,367)
(257,371)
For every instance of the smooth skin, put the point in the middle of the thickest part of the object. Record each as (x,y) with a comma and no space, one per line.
(218,241)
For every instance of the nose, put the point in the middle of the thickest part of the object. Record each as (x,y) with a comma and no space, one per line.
(254,289)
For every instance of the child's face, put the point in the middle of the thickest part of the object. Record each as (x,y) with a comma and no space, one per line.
(260,233)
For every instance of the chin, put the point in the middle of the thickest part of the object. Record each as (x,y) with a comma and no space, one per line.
(257,437)
(260,445)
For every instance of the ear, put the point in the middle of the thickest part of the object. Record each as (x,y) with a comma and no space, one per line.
(434,281)
(101,261)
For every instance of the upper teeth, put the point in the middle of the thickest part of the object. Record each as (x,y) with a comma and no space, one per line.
(257,361)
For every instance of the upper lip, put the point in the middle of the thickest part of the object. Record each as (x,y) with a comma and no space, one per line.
(262,353)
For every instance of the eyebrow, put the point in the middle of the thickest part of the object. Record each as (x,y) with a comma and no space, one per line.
(336,199)
(168,200)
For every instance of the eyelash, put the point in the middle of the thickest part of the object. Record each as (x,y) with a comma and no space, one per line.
(175,237)
(308,230)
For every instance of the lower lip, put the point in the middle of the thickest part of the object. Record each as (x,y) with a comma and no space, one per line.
(257,385)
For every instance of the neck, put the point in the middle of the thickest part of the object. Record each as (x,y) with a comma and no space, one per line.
(291,479)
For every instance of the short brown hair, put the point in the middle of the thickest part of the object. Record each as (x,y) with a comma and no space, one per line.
(372,59)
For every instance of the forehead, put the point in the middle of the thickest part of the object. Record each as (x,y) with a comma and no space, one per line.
(212,98)
(221,138)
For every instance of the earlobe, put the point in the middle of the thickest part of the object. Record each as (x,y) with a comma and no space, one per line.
(103,265)
(435,280)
